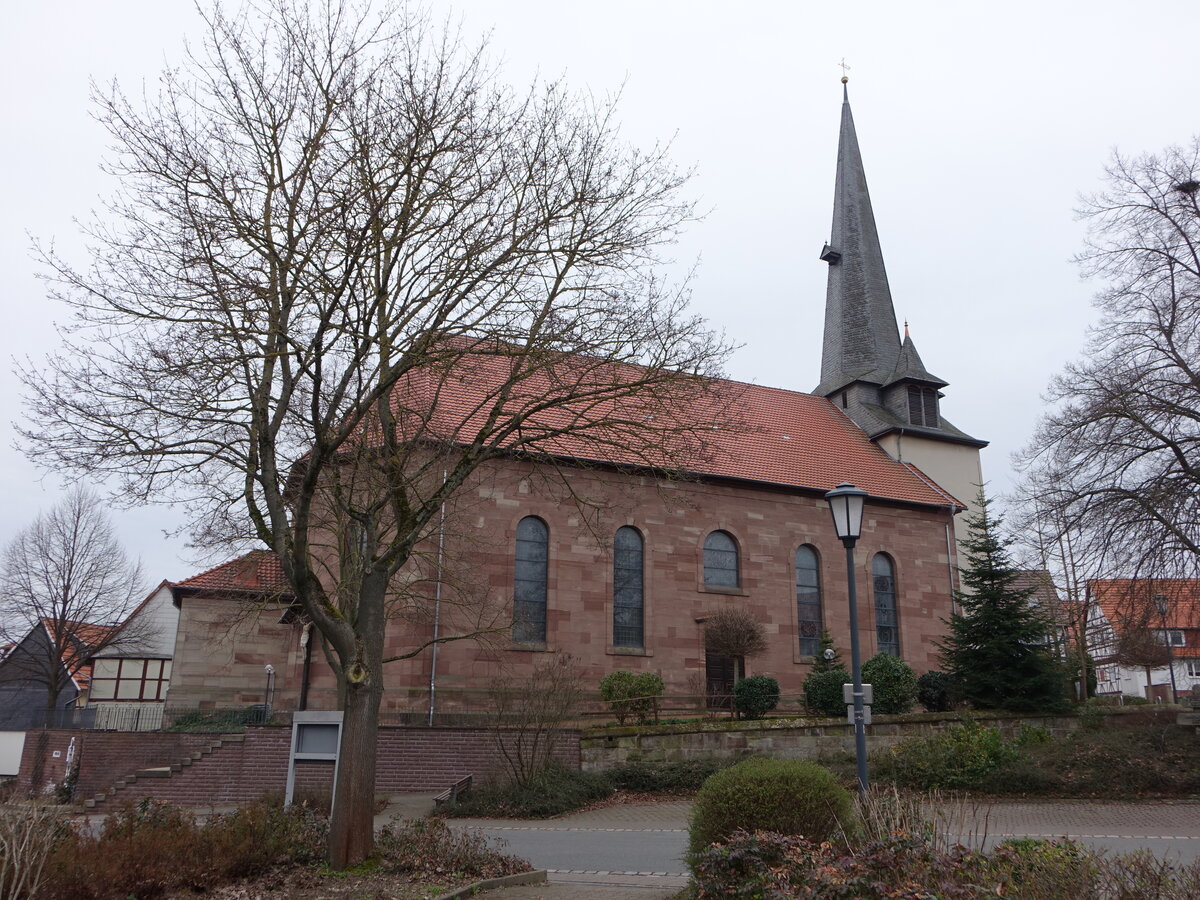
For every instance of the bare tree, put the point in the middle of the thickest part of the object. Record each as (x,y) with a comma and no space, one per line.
(734,632)
(65,587)
(1121,445)
(346,268)
(1049,541)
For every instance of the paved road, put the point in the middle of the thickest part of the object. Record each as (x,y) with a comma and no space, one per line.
(634,850)
(636,844)
(1168,829)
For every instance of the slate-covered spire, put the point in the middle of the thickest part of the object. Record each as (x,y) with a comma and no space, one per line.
(909,365)
(861,339)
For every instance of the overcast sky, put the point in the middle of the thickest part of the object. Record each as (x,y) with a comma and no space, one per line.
(980,124)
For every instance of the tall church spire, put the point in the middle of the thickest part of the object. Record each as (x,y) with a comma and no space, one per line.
(879,380)
(861,339)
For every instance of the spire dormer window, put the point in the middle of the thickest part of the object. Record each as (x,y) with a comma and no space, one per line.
(922,406)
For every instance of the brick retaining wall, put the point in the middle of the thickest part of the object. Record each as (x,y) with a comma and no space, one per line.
(249,765)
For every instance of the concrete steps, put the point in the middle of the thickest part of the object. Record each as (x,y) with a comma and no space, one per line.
(93,802)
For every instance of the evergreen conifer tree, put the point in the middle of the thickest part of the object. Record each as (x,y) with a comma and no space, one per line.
(998,648)
(820,662)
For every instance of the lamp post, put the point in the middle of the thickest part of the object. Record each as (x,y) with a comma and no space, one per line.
(846,505)
(1160,601)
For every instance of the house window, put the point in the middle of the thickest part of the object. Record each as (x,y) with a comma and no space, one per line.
(130,679)
(887,626)
(808,601)
(922,406)
(1173,637)
(628,588)
(1193,667)
(720,560)
(529,581)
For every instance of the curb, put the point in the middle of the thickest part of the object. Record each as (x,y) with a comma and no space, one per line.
(538,876)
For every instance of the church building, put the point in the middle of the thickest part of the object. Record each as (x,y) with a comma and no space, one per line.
(633,588)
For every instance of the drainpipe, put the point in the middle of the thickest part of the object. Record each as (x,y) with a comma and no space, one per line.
(306,643)
(437,610)
(950,561)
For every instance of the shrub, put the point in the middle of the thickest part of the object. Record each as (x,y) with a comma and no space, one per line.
(665,777)
(551,792)
(631,694)
(936,691)
(785,795)
(223,720)
(1039,869)
(152,848)
(895,683)
(429,848)
(1092,715)
(28,833)
(767,865)
(823,692)
(755,696)
(770,865)
(956,758)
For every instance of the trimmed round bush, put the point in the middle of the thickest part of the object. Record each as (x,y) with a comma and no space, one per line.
(755,696)
(894,681)
(935,691)
(789,796)
(823,692)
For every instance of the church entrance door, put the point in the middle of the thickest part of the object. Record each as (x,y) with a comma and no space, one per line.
(720,674)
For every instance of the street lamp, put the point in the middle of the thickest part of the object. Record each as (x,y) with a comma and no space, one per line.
(846,505)
(1160,601)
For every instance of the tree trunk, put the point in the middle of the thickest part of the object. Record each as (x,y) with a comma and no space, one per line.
(351,827)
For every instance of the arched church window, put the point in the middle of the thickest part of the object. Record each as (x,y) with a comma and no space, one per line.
(887,624)
(808,601)
(529,581)
(628,588)
(720,560)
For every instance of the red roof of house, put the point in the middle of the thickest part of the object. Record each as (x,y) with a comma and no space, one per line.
(82,639)
(255,572)
(1125,600)
(748,431)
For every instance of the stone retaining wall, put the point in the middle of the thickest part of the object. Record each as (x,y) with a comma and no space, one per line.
(602,749)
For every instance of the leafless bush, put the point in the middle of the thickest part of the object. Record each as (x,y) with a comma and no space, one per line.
(528,716)
(28,832)
(940,820)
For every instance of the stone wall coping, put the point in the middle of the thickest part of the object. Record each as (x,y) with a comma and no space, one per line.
(780,723)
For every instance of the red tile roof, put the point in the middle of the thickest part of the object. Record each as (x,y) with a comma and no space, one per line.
(749,432)
(82,639)
(255,572)
(1124,600)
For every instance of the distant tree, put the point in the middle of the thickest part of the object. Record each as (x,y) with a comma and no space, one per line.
(1140,642)
(67,576)
(1051,538)
(998,649)
(1120,442)
(823,663)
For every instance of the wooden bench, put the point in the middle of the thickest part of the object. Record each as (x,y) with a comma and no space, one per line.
(452,793)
